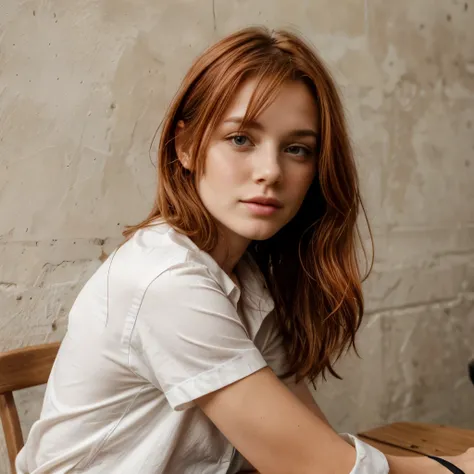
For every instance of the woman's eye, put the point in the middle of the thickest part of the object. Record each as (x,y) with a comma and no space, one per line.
(298,150)
(239,140)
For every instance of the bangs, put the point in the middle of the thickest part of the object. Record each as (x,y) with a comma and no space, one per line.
(270,79)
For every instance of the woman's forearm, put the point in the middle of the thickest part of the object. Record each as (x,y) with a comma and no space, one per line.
(414,465)
(403,465)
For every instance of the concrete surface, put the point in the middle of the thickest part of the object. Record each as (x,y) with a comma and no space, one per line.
(83,87)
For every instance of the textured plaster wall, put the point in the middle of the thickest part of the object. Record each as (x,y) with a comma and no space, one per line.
(83,86)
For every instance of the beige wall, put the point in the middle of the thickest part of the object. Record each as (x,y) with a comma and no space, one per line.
(83,86)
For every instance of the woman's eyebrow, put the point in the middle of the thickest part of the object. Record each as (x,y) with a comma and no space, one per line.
(306,132)
(250,123)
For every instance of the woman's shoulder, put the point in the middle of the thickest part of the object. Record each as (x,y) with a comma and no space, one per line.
(157,249)
(160,239)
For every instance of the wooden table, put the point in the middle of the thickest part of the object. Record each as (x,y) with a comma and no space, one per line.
(414,439)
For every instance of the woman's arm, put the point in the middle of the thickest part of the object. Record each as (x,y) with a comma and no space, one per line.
(279,434)
(301,390)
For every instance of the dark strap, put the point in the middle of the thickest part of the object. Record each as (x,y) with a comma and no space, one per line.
(454,469)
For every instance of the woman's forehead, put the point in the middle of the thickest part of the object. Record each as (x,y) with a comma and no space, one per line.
(292,104)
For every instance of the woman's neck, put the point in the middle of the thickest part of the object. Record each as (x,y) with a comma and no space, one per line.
(229,250)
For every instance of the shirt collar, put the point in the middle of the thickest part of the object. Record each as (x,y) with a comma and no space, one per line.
(256,295)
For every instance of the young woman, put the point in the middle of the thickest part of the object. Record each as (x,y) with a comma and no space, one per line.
(188,350)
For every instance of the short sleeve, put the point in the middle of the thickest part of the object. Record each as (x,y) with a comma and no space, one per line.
(188,338)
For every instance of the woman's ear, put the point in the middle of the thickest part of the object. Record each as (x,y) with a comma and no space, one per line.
(182,150)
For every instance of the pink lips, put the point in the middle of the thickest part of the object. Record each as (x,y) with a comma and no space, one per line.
(263,206)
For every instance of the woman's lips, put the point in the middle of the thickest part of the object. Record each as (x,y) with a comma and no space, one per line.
(260,209)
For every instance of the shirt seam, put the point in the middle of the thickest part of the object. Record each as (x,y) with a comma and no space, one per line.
(110,433)
(145,290)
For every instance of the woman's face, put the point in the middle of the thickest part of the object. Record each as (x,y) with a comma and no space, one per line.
(273,158)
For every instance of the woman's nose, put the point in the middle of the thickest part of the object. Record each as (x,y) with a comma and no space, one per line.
(266,166)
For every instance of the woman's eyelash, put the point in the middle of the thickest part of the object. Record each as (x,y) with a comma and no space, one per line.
(233,137)
(307,151)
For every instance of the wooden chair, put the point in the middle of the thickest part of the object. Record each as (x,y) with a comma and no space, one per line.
(21,368)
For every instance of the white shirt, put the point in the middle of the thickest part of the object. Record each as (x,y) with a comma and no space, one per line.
(158,325)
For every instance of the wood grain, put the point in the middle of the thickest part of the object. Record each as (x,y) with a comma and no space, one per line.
(26,367)
(422,438)
(21,368)
(11,427)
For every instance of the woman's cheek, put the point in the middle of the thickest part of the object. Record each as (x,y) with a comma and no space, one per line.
(231,169)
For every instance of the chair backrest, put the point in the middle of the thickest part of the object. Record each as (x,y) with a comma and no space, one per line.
(21,368)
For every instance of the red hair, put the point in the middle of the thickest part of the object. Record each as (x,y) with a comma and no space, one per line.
(310,265)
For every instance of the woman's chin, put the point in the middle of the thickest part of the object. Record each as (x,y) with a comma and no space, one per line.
(261,231)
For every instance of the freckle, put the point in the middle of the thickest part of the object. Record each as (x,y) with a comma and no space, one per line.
(448,17)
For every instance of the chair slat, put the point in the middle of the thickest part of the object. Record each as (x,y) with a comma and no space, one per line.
(27,367)
(11,427)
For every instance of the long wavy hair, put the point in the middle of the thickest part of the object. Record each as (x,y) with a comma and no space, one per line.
(311,265)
